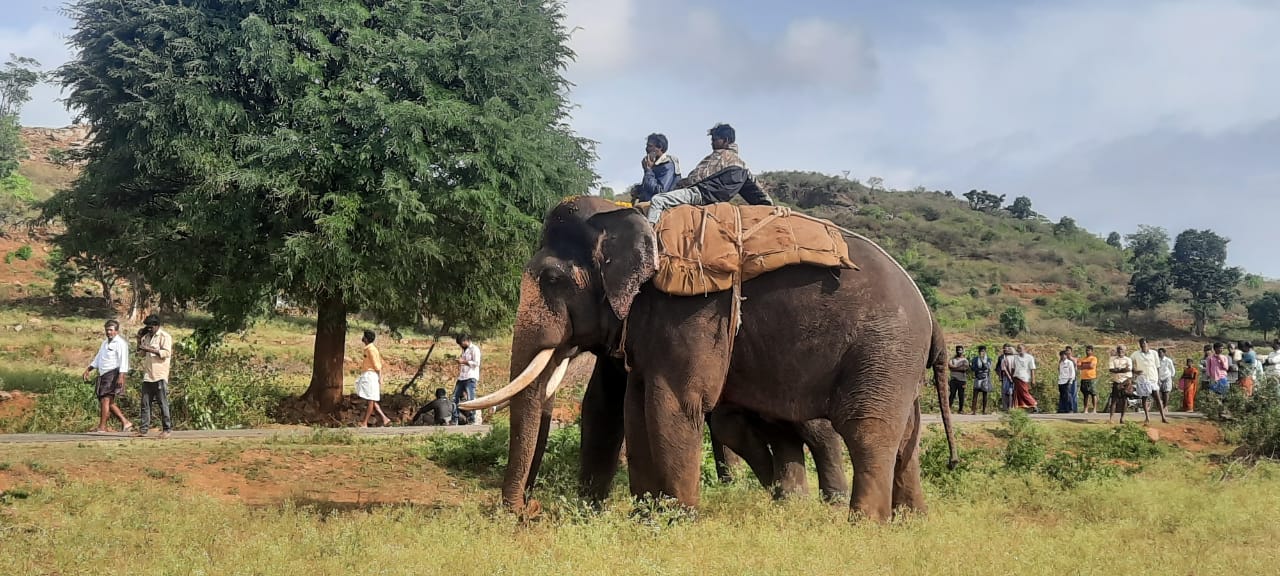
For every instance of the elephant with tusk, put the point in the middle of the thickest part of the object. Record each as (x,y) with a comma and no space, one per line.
(849,347)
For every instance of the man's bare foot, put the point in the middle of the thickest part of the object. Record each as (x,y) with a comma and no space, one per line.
(127,427)
(165,434)
(362,425)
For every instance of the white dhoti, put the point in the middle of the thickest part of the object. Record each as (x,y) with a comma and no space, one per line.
(368,386)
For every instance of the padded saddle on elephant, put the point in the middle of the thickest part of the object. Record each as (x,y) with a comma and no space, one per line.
(705,249)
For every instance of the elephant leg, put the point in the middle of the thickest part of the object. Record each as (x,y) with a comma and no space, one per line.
(674,422)
(718,453)
(907,491)
(828,457)
(640,466)
(788,458)
(734,429)
(873,447)
(602,430)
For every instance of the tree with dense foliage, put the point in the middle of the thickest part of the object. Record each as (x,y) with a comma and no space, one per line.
(1113,240)
(392,157)
(1021,208)
(1264,313)
(1199,266)
(1065,227)
(1151,283)
(984,201)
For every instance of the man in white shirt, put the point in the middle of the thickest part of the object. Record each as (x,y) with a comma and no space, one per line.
(1272,361)
(468,376)
(1146,370)
(112,363)
(1024,373)
(1066,378)
(1166,372)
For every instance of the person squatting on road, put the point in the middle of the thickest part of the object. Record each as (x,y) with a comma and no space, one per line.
(438,412)
(156,346)
(718,178)
(959,367)
(980,367)
(369,383)
(468,376)
(112,363)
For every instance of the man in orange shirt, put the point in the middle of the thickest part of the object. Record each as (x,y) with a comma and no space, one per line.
(1088,369)
(369,383)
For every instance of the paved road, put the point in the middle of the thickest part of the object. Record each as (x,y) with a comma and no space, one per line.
(470,430)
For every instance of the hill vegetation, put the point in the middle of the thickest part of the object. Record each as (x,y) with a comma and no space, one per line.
(979,260)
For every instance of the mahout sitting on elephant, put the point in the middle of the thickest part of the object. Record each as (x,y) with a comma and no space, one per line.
(846,346)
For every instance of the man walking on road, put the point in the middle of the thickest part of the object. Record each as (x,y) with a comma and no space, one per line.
(112,363)
(156,346)
(468,376)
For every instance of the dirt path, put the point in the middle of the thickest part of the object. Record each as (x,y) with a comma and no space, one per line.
(470,430)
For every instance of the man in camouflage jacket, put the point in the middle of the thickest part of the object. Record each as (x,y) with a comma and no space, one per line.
(718,178)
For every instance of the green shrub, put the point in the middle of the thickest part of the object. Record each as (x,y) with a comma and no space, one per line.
(486,455)
(1013,321)
(1128,441)
(1070,470)
(23,252)
(1254,422)
(66,404)
(993,289)
(222,389)
(1026,447)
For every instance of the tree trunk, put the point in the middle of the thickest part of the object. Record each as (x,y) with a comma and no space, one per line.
(331,336)
(137,297)
(422,368)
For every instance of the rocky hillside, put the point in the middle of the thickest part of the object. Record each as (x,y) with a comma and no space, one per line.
(47,165)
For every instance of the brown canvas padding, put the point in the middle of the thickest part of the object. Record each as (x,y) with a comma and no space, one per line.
(698,246)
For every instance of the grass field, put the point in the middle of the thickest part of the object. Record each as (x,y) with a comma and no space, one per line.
(332,504)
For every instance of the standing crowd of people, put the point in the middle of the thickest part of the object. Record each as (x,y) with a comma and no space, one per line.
(1139,379)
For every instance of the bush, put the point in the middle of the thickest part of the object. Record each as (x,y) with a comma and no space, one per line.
(1071,469)
(993,289)
(1013,321)
(1254,422)
(1126,442)
(222,389)
(23,253)
(66,404)
(1026,448)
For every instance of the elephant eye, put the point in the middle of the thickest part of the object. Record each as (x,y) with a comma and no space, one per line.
(552,276)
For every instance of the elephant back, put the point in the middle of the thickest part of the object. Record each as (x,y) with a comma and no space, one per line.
(703,249)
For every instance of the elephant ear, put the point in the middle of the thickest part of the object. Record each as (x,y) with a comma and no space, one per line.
(626,254)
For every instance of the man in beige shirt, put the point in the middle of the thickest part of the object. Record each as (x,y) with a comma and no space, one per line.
(156,346)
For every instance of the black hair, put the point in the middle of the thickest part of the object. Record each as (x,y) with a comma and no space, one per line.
(982,347)
(659,140)
(112,324)
(151,320)
(439,392)
(460,338)
(959,347)
(369,336)
(1142,341)
(724,131)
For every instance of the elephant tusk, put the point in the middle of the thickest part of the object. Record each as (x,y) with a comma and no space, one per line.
(557,377)
(520,382)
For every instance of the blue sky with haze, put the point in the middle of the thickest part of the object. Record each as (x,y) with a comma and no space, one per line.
(1161,112)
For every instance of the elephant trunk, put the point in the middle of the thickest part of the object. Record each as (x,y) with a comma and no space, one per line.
(938,361)
(539,331)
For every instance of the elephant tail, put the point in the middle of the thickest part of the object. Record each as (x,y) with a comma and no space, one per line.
(938,362)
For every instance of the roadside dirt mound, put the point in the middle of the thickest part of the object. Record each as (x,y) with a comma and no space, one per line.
(40,141)
(16,404)
(400,408)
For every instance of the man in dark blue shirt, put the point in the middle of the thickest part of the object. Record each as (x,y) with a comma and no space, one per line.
(661,170)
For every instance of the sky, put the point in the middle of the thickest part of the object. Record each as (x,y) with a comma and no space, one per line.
(1118,114)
